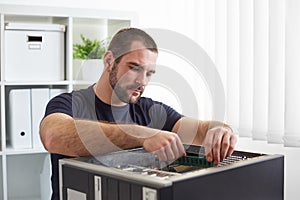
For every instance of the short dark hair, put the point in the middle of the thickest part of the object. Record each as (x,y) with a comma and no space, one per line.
(121,42)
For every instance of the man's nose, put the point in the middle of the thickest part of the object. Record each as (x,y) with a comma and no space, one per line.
(142,79)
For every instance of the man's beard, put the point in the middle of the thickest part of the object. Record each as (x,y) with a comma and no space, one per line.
(119,90)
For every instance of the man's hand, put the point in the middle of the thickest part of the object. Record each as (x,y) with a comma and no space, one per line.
(166,145)
(219,143)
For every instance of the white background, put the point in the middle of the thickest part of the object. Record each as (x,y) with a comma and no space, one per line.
(185,17)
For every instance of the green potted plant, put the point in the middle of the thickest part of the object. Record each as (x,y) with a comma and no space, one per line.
(89,49)
(89,54)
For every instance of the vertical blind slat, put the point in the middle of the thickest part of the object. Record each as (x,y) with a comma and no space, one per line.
(292,72)
(246,68)
(260,70)
(276,71)
(221,42)
(232,104)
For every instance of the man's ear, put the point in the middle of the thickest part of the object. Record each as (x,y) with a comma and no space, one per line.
(108,60)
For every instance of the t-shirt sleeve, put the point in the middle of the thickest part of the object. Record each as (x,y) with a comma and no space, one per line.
(172,117)
(60,104)
(163,116)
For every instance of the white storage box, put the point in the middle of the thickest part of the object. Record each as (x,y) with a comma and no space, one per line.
(39,100)
(20,119)
(25,112)
(34,52)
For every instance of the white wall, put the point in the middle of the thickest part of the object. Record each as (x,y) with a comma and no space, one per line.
(180,16)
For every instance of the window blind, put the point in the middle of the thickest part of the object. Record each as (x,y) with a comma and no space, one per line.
(259,66)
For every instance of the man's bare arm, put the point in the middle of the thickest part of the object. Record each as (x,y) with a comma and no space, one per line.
(63,134)
(217,137)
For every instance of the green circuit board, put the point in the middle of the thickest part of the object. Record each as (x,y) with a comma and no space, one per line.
(194,161)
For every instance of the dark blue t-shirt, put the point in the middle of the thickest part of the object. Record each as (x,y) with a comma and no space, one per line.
(84,104)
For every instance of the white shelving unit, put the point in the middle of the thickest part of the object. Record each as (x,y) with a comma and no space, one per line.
(25,173)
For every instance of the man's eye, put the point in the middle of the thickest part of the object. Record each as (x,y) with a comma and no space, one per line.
(134,68)
(149,74)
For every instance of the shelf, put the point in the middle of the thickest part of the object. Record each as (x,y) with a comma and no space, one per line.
(28,176)
(26,198)
(25,173)
(47,11)
(11,151)
(33,19)
(1,180)
(39,83)
(82,82)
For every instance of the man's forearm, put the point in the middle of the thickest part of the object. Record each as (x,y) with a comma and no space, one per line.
(59,135)
(193,131)
(75,137)
(206,125)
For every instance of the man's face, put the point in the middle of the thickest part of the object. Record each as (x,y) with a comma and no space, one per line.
(130,77)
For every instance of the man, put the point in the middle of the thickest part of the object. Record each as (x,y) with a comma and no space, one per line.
(111,115)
